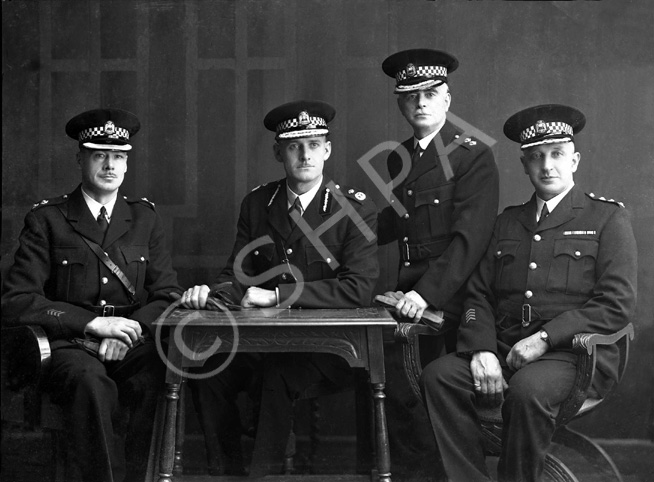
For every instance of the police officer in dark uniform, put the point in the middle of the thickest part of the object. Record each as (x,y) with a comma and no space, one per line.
(92,269)
(560,264)
(450,198)
(302,242)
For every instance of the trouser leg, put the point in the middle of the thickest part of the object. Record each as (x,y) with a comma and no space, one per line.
(529,411)
(448,393)
(215,400)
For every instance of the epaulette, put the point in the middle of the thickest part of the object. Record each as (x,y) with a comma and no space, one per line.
(142,200)
(259,186)
(467,142)
(50,202)
(352,193)
(514,206)
(602,198)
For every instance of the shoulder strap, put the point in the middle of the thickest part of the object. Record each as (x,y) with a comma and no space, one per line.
(106,260)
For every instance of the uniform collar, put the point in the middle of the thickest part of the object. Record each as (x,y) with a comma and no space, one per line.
(552,203)
(95,206)
(425,141)
(305,199)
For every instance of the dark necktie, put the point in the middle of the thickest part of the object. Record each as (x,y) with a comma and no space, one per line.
(297,206)
(543,214)
(416,154)
(102,219)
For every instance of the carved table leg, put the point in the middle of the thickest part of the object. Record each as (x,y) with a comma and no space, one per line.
(178,466)
(167,455)
(381,430)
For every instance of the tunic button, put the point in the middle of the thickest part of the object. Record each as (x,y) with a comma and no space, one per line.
(436,201)
(407,264)
(105,280)
(499,253)
(406,240)
(289,251)
(577,253)
(329,260)
(533,265)
(537,237)
(528,294)
(406,216)
(142,258)
(284,276)
(256,253)
(103,302)
(64,262)
(409,192)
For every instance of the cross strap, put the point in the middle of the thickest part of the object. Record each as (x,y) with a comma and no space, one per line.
(106,260)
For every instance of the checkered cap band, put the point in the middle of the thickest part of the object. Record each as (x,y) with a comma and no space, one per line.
(545,128)
(290,124)
(119,133)
(422,71)
(303,133)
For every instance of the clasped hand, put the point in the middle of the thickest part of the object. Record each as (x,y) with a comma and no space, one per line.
(117,335)
(409,305)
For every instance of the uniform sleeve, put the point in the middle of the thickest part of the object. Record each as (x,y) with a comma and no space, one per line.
(357,274)
(23,299)
(477,328)
(160,278)
(476,198)
(613,300)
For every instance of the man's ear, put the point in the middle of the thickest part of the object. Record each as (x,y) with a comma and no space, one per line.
(277,152)
(328,149)
(78,157)
(524,164)
(576,157)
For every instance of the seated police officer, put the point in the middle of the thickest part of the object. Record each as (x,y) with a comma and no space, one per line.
(305,242)
(92,269)
(563,263)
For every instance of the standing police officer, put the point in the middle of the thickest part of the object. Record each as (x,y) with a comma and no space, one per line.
(561,264)
(92,269)
(304,242)
(450,196)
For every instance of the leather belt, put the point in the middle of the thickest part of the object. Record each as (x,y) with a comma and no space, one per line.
(528,313)
(418,252)
(113,310)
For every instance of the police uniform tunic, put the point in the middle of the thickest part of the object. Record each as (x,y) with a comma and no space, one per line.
(273,252)
(575,272)
(451,205)
(57,282)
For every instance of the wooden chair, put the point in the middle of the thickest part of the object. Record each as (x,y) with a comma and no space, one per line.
(25,359)
(580,401)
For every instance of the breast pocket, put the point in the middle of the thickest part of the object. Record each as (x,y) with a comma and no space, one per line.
(136,261)
(261,259)
(572,270)
(322,264)
(70,272)
(437,205)
(505,255)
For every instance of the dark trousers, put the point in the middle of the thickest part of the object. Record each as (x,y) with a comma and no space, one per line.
(286,376)
(530,407)
(109,408)
(215,401)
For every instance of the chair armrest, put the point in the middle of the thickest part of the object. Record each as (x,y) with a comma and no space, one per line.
(26,355)
(585,345)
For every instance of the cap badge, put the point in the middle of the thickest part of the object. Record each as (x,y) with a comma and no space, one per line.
(303,118)
(410,70)
(110,130)
(541,127)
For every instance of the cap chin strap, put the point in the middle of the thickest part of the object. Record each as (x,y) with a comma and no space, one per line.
(546,141)
(426,84)
(107,147)
(303,133)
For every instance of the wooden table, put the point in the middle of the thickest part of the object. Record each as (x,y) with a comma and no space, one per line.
(353,334)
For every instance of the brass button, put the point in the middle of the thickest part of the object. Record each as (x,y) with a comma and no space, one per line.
(407,264)
(256,253)
(533,265)
(406,239)
(105,280)
(499,253)
(329,260)
(409,192)
(537,237)
(284,276)
(436,201)
(64,262)
(142,258)
(406,216)
(528,294)
(577,253)
(289,251)
(103,302)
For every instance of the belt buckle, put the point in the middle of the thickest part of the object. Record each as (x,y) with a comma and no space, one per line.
(526,315)
(108,310)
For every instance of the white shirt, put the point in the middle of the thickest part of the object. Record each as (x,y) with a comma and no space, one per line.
(425,141)
(552,203)
(95,206)
(305,198)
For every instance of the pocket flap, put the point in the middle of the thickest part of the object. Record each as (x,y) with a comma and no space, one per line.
(135,253)
(64,255)
(507,247)
(435,195)
(576,247)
